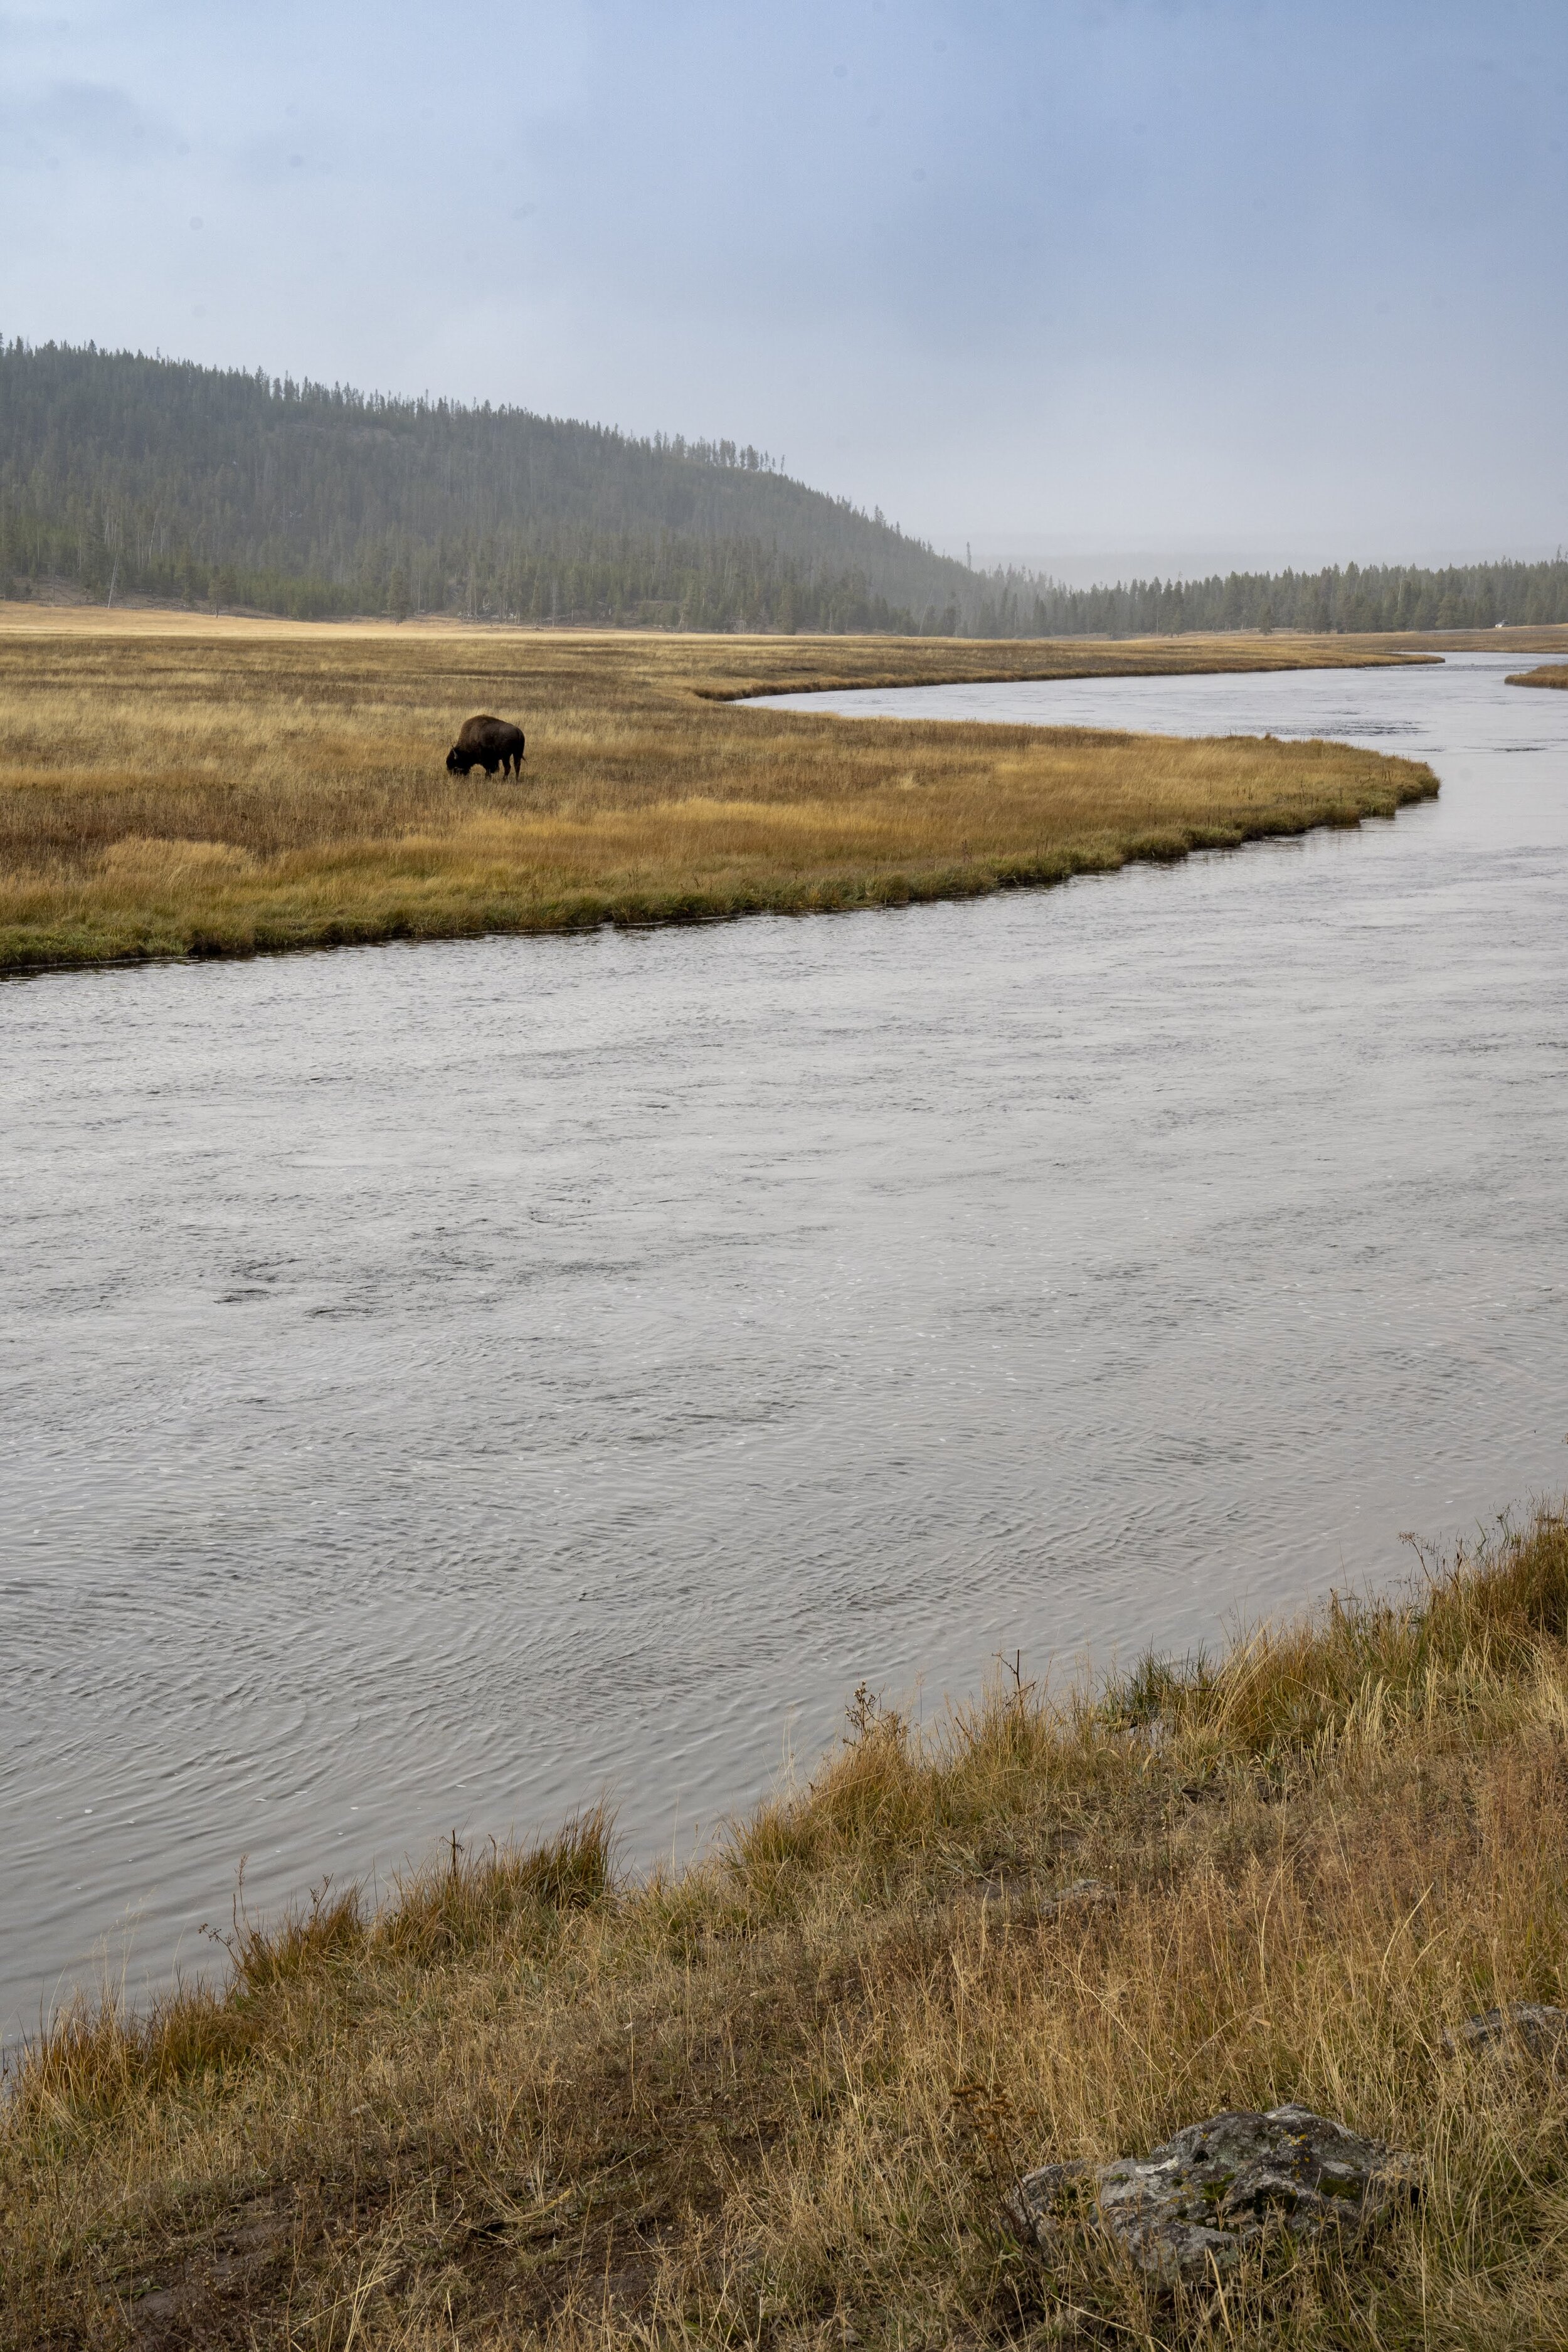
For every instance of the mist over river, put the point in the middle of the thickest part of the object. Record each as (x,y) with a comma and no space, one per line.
(439,1383)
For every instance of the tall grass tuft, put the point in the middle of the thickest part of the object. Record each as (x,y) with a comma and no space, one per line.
(459,1903)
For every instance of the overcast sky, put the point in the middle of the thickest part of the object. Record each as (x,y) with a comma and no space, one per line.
(1074,280)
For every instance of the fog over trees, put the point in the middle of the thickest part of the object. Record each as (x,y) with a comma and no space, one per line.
(127,476)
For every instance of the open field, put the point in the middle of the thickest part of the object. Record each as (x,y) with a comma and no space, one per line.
(175,785)
(776,2098)
(1549,673)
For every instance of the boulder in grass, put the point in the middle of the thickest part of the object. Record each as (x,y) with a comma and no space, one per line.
(1189,2206)
(1527,2029)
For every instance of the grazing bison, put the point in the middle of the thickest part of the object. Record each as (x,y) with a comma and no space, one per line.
(488,743)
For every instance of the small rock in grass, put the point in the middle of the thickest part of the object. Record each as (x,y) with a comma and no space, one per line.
(1084,1893)
(1532,2027)
(1021,1901)
(1194,2203)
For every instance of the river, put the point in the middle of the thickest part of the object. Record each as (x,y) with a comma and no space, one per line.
(438,1383)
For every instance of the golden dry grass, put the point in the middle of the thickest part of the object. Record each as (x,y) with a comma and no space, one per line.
(1548,674)
(772,2100)
(177,786)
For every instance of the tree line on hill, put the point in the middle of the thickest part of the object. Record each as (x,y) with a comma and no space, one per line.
(127,476)
(124,475)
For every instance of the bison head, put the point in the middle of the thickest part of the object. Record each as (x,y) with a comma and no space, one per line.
(454,761)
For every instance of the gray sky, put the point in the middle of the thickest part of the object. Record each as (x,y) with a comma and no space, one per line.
(1072,280)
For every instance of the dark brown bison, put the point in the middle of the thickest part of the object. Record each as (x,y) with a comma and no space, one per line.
(488,743)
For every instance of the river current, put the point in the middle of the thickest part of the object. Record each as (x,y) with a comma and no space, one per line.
(438,1384)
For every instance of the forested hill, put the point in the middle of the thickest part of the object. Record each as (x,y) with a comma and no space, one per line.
(131,477)
(165,479)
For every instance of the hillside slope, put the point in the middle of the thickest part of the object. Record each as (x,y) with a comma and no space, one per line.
(157,477)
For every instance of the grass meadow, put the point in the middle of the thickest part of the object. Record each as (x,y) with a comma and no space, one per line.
(175,785)
(775,2099)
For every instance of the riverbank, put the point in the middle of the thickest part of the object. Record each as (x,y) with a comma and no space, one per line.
(1548,674)
(178,785)
(780,2096)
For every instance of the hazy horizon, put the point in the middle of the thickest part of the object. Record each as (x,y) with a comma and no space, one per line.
(1095,288)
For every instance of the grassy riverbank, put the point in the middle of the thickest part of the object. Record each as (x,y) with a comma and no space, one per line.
(1548,674)
(175,785)
(775,2099)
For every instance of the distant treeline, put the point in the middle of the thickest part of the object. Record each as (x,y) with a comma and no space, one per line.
(124,475)
(1375,597)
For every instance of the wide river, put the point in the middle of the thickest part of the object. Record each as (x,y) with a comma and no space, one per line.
(438,1384)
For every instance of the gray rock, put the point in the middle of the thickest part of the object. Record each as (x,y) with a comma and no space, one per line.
(1529,2029)
(1084,1893)
(1191,2205)
(1020,1900)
